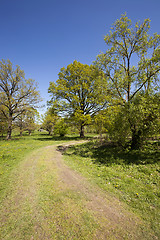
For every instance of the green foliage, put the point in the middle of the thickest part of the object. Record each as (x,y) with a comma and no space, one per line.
(100,120)
(79,92)
(26,121)
(126,80)
(17,94)
(118,129)
(61,128)
(3,124)
(144,116)
(127,42)
(114,123)
(49,120)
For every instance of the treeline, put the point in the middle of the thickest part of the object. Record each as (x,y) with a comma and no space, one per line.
(118,94)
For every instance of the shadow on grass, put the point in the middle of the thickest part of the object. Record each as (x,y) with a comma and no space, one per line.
(109,154)
(45,137)
(58,138)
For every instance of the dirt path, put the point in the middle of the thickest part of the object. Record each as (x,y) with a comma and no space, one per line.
(48,200)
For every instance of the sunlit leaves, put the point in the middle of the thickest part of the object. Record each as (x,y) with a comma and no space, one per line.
(131,65)
(132,60)
(49,120)
(82,88)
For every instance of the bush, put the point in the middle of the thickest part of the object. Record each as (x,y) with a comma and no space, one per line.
(61,128)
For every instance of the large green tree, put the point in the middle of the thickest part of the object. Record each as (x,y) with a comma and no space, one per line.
(131,65)
(80,92)
(16,93)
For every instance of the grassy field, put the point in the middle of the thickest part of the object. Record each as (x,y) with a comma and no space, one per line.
(134,177)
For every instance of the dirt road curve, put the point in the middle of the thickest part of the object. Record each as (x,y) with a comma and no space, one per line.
(48,200)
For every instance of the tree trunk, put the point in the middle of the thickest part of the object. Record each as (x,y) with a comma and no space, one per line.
(136,141)
(21,126)
(21,131)
(9,132)
(82,131)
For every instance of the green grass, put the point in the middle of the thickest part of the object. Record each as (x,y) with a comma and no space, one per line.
(13,152)
(132,176)
(58,212)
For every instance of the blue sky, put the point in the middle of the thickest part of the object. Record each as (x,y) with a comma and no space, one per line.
(41,36)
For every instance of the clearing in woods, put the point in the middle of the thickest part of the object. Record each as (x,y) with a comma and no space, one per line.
(48,200)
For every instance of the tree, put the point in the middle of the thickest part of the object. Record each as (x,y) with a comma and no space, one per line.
(26,121)
(49,121)
(30,122)
(100,120)
(113,122)
(79,93)
(16,93)
(131,66)
(144,116)
(61,128)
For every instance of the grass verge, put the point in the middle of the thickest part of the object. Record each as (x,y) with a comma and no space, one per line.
(132,176)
